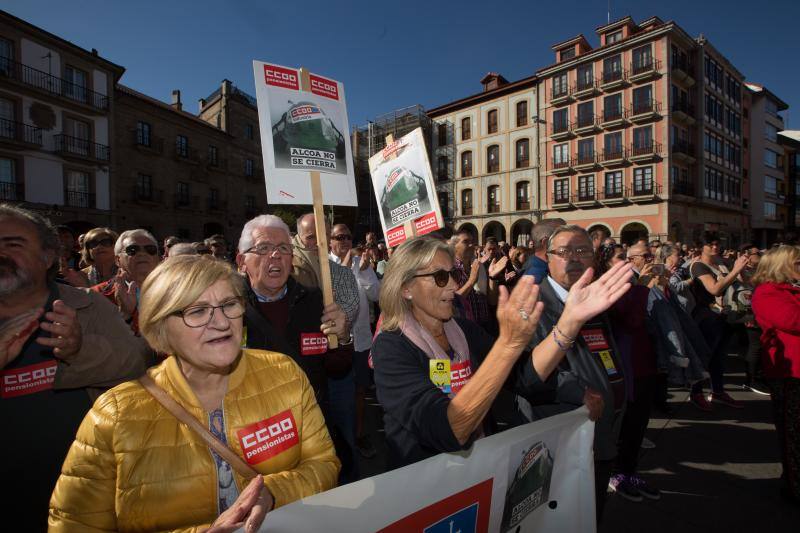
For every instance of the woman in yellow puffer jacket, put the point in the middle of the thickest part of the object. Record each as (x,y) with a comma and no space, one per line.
(134,466)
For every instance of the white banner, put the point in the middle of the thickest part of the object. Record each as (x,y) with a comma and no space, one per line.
(303,129)
(404,189)
(537,477)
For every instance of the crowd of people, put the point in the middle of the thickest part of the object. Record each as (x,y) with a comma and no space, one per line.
(168,385)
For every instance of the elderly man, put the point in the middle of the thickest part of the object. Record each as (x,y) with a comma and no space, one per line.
(536,266)
(640,256)
(589,360)
(58,346)
(136,255)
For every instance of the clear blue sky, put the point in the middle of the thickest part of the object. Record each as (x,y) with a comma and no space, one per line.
(394,54)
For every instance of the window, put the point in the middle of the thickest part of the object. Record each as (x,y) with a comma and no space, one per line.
(569,53)
(8,128)
(561,191)
(643,180)
(466,164)
(643,100)
(248,131)
(248,167)
(770,210)
(612,107)
(523,153)
(6,56)
(182,146)
(8,180)
(522,113)
(75,86)
(183,193)
(143,133)
(614,184)
(493,159)
(585,77)
(770,185)
(560,155)
(144,187)
(444,203)
(771,107)
(643,138)
(491,121)
(612,145)
(713,184)
(612,69)
(560,85)
(77,192)
(466,128)
(212,155)
(213,198)
(770,158)
(771,132)
(642,59)
(442,131)
(493,195)
(613,37)
(523,202)
(466,202)
(585,188)
(441,169)
(560,120)
(77,137)
(585,151)
(585,114)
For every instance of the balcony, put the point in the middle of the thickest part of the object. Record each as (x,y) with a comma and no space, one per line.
(523,205)
(585,87)
(466,211)
(147,143)
(560,131)
(183,201)
(560,95)
(648,152)
(612,158)
(78,199)
(69,146)
(613,79)
(562,166)
(683,188)
(493,208)
(645,192)
(561,200)
(586,124)
(683,151)
(614,117)
(19,134)
(683,113)
(52,85)
(645,110)
(147,195)
(645,70)
(613,195)
(682,70)
(585,198)
(14,192)
(584,161)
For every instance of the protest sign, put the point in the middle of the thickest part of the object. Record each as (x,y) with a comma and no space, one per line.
(304,128)
(536,477)
(404,189)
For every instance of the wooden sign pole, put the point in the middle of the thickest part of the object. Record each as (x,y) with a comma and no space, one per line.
(408,225)
(322,232)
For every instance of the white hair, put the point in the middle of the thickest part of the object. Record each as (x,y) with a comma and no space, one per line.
(261,221)
(119,246)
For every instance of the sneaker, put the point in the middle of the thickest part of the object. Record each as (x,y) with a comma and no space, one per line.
(365,447)
(725,399)
(647,444)
(644,489)
(757,387)
(622,485)
(698,399)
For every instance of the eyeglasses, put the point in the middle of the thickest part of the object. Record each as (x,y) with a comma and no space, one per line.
(266,248)
(581,252)
(133,249)
(200,315)
(106,241)
(441,277)
(342,237)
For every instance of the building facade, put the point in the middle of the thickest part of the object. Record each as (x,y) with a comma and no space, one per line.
(489,140)
(790,140)
(56,125)
(621,131)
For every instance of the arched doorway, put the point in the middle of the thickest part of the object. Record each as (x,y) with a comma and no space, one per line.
(521,232)
(602,227)
(632,232)
(471,229)
(494,229)
(212,228)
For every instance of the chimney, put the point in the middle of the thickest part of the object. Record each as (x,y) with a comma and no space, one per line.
(226,87)
(201,103)
(176,100)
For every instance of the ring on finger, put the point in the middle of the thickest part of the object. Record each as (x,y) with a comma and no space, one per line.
(524,314)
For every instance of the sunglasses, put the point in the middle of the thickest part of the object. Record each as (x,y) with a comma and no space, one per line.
(133,249)
(342,237)
(440,277)
(108,242)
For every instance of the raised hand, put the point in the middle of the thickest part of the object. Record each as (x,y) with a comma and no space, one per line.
(125,294)
(512,309)
(587,300)
(65,331)
(497,266)
(14,332)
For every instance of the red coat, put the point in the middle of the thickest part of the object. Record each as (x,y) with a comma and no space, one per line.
(777,310)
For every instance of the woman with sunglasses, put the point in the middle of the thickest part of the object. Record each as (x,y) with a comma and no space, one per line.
(98,253)
(135,466)
(437,376)
(135,256)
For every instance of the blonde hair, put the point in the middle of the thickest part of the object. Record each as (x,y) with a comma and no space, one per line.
(777,265)
(410,257)
(173,286)
(91,235)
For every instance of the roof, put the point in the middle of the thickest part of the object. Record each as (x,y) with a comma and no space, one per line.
(758,88)
(483,96)
(92,55)
(794,135)
(571,41)
(491,75)
(158,103)
(627,19)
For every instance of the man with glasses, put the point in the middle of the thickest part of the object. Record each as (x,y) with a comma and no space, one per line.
(642,259)
(136,255)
